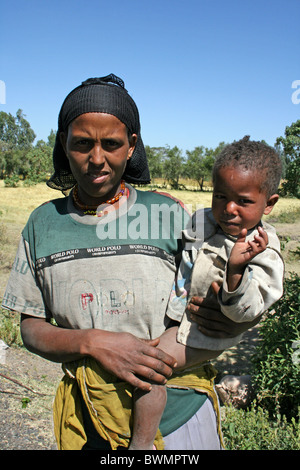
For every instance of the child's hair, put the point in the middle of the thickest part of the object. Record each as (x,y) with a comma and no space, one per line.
(253,156)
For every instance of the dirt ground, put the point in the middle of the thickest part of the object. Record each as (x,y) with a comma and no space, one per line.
(28,384)
(289,235)
(26,413)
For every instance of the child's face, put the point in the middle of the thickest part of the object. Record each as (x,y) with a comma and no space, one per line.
(237,200)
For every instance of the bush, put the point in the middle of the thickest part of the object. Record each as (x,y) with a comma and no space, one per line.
(12,181)
(10,328)
(276,362)
(291,185)
(253,430)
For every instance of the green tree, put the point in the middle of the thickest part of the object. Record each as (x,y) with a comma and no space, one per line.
(16,131)
(37,163)
(4,147)
(173,166)
(8,128)
(25,135)
(16,137)
(51,138)
(291,148)
(14,158)
(218,149)
(155,156)
(199,164)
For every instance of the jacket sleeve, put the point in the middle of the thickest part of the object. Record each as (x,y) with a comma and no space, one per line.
(180,290)
(260,287)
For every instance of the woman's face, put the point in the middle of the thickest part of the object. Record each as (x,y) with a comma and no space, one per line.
(97,147)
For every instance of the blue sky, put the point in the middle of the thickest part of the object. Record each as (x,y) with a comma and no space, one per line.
(200,71)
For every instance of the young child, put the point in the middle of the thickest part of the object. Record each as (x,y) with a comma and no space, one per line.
(228,244)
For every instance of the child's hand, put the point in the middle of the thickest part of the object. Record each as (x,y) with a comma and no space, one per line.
(243,251)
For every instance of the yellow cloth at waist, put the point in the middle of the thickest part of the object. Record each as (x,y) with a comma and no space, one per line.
(109,402)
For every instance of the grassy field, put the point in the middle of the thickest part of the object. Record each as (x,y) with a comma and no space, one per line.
(18,203)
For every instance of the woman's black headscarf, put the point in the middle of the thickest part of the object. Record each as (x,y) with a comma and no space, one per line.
(102,95)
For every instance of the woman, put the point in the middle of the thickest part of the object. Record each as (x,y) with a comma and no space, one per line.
(101,263)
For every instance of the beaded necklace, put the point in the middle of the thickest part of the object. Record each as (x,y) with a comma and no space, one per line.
(92,210)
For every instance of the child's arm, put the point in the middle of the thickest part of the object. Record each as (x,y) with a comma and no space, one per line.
(241,254)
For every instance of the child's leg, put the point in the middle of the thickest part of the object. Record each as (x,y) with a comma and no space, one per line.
(184,355)
(147,411)
(149,406)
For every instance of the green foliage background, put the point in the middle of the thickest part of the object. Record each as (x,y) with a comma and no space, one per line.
(20,158)
(276,362)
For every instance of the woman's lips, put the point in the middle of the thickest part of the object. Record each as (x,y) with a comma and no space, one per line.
(98,178)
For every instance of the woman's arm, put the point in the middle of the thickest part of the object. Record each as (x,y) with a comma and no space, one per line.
(120,353)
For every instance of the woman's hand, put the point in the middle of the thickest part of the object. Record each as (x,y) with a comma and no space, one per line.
(130,358)
(211,321)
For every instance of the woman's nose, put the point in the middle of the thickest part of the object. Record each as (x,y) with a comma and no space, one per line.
(97,155)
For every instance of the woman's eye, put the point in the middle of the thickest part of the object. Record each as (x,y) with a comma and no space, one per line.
(80,143)
(111,144)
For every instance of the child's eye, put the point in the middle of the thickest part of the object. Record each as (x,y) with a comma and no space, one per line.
(246,201)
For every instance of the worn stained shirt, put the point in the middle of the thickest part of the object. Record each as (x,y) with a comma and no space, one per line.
(113,272)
